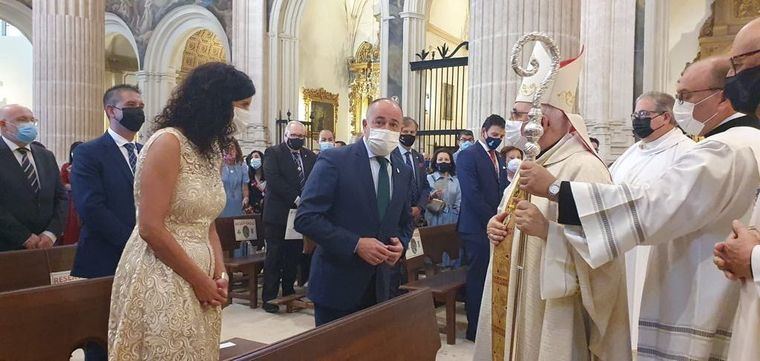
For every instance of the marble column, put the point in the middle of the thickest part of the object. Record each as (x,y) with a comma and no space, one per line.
(414,40)
(605,98)
(248,47)
(495,26)
(391,48)
(156,89)
(69,58)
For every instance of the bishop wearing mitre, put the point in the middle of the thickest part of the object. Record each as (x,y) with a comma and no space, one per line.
(568,310)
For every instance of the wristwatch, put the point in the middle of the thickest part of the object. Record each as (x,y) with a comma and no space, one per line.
(554,190)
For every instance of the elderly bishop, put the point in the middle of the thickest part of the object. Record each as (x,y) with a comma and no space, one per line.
(568,310)
(688,309)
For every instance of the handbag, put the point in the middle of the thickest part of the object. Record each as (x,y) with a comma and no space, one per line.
(435,206)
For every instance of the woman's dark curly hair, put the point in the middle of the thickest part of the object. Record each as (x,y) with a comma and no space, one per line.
(202,106)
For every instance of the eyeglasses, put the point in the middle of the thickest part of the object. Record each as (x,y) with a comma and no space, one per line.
(681,95)
(518,116)
(33,121)
(737,61)
(646,114)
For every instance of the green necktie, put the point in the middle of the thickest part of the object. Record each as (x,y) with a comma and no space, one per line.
(383,187)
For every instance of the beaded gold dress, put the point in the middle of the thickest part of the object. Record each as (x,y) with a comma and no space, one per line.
(155,314)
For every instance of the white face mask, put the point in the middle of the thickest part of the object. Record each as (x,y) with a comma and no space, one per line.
(382,141)
(241,119)
(684,114)
(514,165)
(514,135)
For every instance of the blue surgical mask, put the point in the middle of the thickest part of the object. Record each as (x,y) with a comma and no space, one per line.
(255,163)
(26,132)
(466,144)
(326,145)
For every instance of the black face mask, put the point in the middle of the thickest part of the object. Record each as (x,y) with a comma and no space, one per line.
(132,118)
(642,126)
(295,143)
(444,167)
(407,140)
(743,90)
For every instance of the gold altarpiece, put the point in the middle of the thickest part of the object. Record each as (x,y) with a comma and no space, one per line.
(725,20)
(364,73)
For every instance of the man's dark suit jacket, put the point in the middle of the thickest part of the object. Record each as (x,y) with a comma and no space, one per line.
(423,187)
(339,206)
(281,172)
(22,213)
(102,187)
(481,188)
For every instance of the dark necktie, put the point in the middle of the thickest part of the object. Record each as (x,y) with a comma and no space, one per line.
(410,163)
(29,172)
(130,147)
(301,175)
(383,187)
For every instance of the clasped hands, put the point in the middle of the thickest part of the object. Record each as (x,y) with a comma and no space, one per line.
(40,241)
(375,252)
(535,180)
(211,292)
(733,256)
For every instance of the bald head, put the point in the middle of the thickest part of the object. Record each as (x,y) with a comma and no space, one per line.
(326,135)
(747,39)
(11,112)
(11,117)
(383,113)
(708,73)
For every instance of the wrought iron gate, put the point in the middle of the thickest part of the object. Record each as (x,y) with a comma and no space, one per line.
(442,98)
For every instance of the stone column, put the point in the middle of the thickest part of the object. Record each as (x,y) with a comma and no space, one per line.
(156,89)
(494,27)
(414,41)
(248,47)
(605,98)
(69,58)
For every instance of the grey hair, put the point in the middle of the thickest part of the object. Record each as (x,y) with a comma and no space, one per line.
(290,125)
(663,102)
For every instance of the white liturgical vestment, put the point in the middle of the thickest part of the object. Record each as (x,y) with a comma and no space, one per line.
(745,344)
(688,309)
(570,312)
(644,162)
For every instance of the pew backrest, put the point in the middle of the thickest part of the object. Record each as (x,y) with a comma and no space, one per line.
(438,239)
(403,328)
(50,322)
(32,268)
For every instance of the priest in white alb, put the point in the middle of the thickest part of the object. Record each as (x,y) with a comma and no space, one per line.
(662,142)
(739,255)
(568,311)
(693,202)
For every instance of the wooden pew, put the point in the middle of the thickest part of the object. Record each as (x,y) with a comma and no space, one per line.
(50,322)
(401,329)
(444,285)
(32,268)
(251,264)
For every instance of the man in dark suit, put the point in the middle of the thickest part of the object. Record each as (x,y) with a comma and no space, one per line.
(101,184)
(482,178)
(286,167)
(32,197)
(416,162)
(356,208)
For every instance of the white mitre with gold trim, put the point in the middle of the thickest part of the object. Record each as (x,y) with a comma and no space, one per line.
(561,93)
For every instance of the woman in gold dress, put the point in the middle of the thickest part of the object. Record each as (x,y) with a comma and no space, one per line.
(170,283)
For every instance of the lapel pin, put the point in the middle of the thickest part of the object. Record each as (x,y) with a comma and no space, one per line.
(398,171)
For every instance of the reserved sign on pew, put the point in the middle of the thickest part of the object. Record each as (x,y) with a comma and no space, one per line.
(415,246)
(57,278)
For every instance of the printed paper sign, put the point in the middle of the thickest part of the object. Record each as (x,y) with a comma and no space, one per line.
(245,229)
(57,278)
(290,229)
(415,246)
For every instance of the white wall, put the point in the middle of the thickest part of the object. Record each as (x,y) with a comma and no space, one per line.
(15,69)
(686,19)
(324,49)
